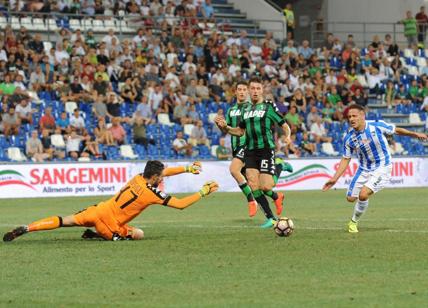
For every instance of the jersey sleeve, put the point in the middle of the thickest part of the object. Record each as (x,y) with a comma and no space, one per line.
(157,196)
(347,147)
(274,115)
(385,128)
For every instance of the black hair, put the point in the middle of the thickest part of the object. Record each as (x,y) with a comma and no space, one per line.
(357,107)
(255,79)
(153,167)
(242,82)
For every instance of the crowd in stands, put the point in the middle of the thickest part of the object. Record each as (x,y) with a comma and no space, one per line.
(86,95)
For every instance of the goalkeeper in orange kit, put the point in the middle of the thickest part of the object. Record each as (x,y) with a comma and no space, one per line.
(110,218)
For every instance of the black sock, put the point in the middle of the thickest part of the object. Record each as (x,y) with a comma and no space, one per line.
(272,194)
(264,204)
(278,170)
(247,191)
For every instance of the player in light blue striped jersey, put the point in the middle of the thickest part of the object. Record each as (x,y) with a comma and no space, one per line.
(367,141)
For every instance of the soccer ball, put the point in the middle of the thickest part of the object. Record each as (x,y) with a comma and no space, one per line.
(284,227)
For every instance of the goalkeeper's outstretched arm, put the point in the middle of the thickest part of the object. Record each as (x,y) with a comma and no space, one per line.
(195,168)
(182,203)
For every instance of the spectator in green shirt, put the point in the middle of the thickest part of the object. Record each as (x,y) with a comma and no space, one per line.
(414,92)
(410,29)
(293,119)
(333,97)
(222,152)
(7,87)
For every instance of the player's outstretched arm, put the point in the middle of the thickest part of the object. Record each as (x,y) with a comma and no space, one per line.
(208,188)
(344,162)
(195,168)
(406,132)
(287,132)
(235,131)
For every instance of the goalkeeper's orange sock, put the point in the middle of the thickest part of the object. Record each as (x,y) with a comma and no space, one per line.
(47,223)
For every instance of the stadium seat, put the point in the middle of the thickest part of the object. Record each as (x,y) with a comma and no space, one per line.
(15,23)
(408,53)
(84,159)
(70,106)
(52,25)
(414,118)
(188,129)
(163,118)
(38,24)
(57,141)
(398,149)
(98,25)
(75,24)
(328,149)
(211,117)
(15,154)
(214,150)
(126,151)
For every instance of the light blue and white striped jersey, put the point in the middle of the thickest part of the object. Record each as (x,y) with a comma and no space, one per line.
(369,145)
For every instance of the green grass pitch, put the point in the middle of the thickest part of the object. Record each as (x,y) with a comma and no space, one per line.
(212,254)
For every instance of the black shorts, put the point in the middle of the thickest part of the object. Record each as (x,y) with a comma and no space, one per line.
(239,153)
(261,159)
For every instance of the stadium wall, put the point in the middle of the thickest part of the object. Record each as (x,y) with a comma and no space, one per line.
(272,20)
(366,18)
(91,179)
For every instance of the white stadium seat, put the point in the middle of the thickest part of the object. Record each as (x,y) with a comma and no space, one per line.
(38,24)
(163,118)
(98,25)
(211,117)
(15,154)
(52,25)
(127,152)
(70,106)
(188,129)
(75,24)
(57,141)
(414,118)
(328,149)
(15,23)
(214,150)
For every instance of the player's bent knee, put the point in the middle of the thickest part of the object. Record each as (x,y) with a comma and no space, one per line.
(351,199)
(137,234)
(363,196)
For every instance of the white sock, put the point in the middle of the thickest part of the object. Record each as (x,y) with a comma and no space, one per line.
(359,209)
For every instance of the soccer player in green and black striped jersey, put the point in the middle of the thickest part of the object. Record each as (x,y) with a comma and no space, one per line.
(233,118)
(256,124)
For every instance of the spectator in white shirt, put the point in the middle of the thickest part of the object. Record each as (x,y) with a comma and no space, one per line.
(181,146)
(76,121)
(199,135)
(319,132)
(189,63)
(255,51)
(107,38)
(156,97)
(24,112)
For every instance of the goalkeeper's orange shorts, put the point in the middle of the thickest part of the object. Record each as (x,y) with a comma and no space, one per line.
(105,224)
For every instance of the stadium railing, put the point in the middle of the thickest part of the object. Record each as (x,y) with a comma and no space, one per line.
(363,32)
(124,25)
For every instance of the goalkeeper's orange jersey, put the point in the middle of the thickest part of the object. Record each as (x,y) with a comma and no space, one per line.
(131,200)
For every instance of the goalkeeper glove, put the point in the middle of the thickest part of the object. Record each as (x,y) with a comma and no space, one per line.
(208,188)
(194,168)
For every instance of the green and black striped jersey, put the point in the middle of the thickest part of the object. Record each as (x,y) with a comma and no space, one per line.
(233,118)
(258,120)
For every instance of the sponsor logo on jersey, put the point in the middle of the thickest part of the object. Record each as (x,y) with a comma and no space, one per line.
(235,113)
(254,114)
